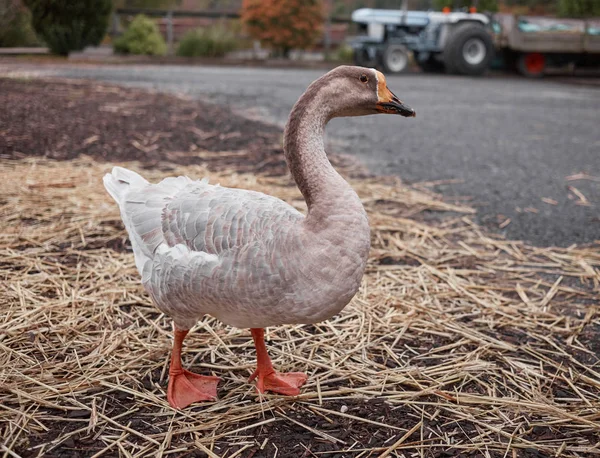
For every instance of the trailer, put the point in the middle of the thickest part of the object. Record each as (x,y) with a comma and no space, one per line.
(530,44)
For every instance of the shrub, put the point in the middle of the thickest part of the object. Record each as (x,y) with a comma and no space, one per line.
(344,53)
(214,41)
(284,24)
(15,25)
(483,5)
(579,8)
(141,37)
(70,25)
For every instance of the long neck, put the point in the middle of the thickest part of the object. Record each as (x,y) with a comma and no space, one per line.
(304,150)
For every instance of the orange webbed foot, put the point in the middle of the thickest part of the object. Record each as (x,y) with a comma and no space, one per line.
(185,388)
(287,384)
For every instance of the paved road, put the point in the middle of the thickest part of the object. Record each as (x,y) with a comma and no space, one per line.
(508,142)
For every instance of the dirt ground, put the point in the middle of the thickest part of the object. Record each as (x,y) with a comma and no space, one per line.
(62,121)
(459,344)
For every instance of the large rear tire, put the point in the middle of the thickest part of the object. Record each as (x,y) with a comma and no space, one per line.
(395,59)
(469,50)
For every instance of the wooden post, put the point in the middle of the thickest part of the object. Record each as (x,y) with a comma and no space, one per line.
(170,32)
(114,29)
(327,37)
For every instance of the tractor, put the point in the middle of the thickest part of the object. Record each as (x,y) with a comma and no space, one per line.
(453,42)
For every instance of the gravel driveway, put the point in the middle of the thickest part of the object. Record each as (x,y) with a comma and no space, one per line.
(527,153)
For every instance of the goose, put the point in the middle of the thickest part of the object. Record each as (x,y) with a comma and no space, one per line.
(250,259)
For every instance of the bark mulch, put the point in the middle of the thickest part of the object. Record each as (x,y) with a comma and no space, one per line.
(64,120)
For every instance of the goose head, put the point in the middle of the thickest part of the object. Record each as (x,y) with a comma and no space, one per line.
(360,91)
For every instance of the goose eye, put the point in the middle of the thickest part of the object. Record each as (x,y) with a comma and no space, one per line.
(364,78)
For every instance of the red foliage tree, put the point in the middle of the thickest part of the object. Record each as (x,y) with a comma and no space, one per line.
(284,24)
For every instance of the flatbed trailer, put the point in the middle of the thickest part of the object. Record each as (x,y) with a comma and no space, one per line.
(531,44)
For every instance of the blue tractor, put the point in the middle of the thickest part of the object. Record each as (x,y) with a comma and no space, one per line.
(452,42)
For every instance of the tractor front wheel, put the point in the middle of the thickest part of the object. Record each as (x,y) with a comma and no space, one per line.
(395,59)
(362,58)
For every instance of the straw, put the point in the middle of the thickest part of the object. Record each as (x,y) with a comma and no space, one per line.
(458,341)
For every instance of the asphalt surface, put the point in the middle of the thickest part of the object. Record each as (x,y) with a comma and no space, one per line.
(505,142)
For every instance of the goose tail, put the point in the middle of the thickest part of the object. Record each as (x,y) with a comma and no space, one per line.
(120,181)
(121,184)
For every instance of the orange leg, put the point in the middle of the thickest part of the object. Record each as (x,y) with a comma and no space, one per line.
(269,380)
(185,387)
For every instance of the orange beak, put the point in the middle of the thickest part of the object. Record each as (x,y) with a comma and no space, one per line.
(388,103)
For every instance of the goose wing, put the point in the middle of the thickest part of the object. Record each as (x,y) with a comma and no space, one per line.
(216,220)
(197,245)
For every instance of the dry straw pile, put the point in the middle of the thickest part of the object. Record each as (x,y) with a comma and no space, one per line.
(458,344)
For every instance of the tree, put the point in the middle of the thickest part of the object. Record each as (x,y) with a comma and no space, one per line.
(150,4)
(579,8)
(284,24)
(15,27)
(70,25)
(482,5)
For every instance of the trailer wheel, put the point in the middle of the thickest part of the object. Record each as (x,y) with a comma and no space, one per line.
(531,64)
(395,59)
(470,50)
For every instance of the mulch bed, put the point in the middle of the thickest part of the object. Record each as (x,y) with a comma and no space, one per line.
(459,344)
(63,120)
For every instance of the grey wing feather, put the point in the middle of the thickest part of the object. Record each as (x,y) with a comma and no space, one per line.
(170,278)
(203,217)
(203,248)
(214,220)
(141,210)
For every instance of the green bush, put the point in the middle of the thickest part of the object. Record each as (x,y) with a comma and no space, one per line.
(215,41)
(141,37)
(70,25)
(15,25)
(344,53)
(579,8)
(483,5)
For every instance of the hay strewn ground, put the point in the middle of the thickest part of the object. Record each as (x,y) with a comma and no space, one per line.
(458,344)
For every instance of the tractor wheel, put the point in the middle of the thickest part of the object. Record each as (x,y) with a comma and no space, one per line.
(531,64)
(469,50)
(395,59)
(362,58)
(430,65)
